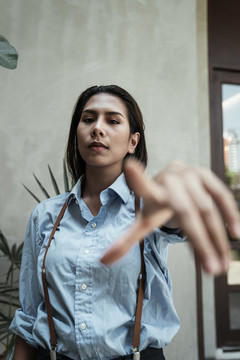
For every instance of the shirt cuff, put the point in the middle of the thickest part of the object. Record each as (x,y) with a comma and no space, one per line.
(173,231)
(22,325)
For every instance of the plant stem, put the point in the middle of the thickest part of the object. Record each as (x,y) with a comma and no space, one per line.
(10,303)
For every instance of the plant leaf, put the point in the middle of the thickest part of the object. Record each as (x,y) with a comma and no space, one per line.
(10,271)
(13,251)
(8,334)
(32,194)
(4,318)
(65,177)
(8,54)
(19,249)
(55,186)
(4,245)
(18,257)
(10,348)
(5,289)
(42,187)
(7,303)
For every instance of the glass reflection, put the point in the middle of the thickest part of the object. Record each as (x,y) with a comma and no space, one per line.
(231,136)
(234,307)
(233,277)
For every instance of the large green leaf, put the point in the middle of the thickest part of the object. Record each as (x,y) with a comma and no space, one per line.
(8,54)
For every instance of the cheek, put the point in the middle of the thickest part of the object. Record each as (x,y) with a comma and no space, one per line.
(80,133)
(80,137)
(125,140)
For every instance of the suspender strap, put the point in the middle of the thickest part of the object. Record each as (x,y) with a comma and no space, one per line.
(53,337)
(139,306)
(138,315)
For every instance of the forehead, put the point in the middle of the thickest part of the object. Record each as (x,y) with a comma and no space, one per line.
(106,102)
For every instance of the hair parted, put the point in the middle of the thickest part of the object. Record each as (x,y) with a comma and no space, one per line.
(75,163)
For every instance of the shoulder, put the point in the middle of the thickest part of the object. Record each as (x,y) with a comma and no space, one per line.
(42,219)
(50,206)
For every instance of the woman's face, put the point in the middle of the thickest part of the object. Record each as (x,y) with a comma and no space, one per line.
(103,132)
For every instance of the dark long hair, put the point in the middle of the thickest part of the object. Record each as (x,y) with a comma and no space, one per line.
(76,164)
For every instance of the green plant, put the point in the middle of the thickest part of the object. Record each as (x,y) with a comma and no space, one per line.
(9,289)
(54,183)
(9,281)
(8,54)
(8,284)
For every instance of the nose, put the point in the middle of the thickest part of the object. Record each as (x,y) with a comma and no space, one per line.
(98,128)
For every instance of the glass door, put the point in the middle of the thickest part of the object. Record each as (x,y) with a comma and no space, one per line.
(225,135)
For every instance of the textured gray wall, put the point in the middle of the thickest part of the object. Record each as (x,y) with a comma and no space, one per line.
(156,49)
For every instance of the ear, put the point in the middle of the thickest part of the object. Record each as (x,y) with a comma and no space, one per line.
(133,141)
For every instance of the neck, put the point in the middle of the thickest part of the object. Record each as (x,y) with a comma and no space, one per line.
(97,180)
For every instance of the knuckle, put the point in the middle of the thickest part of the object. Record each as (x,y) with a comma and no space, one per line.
(183,210)
(205,208)
(176,166)
(169,178)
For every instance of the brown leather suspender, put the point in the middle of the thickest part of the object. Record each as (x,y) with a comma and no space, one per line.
(53,336)
(141,283)
(138,315)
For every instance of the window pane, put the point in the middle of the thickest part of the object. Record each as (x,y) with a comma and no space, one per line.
(231,136)
(234,308)
(234,268)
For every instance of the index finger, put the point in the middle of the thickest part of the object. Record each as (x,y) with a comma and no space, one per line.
(140,228)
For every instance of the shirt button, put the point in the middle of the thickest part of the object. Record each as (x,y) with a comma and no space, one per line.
(84,286)
(86,251)
(83,326)
(94,225)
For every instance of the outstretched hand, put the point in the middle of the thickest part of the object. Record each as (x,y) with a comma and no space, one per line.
(196,198)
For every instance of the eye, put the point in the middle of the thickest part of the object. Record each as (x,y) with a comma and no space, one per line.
(88,120)
(113,121)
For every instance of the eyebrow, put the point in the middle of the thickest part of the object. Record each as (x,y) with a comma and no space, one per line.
(107,113)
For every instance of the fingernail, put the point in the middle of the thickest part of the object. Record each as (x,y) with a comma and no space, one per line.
(212,266)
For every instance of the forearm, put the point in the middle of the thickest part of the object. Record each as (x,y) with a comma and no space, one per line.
(23,351)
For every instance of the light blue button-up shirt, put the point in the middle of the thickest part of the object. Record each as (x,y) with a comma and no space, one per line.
(93,305)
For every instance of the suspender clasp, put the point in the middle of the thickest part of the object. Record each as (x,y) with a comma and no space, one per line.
(136,353)
(53,354)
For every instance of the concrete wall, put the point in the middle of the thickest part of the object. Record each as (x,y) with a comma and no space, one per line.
(156,49)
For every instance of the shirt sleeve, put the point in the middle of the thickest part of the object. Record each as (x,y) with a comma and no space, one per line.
(29,295)
(173,235)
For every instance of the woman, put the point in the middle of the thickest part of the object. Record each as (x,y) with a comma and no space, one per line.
(93,305)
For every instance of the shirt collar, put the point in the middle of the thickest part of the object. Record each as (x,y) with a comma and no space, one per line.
(76,191)
(119,187)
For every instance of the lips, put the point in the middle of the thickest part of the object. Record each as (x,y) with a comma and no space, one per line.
(97,144)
